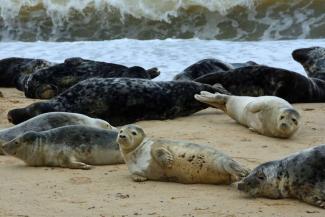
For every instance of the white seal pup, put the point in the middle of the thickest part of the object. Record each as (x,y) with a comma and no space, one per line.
(267,115)
(49,121)
(182,162)
(300,175)
(75,147)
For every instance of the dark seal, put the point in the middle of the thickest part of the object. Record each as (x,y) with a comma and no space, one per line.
(49,82)
(14,71)
(123,100)
(300,175)
(313,61)
(268,81)
(207,66)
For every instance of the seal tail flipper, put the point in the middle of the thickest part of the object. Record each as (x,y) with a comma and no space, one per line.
(216,100)
(153,72)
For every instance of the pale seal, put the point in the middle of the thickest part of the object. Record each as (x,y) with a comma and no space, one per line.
(182,162)
(207,66)
(75,147)
(49,121)
(49,82)
(122,100)
(268,81)
(15,71)
(267,115)
(300,175)
(313,61)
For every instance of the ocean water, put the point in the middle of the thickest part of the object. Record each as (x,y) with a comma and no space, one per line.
(96,20)
(171,56)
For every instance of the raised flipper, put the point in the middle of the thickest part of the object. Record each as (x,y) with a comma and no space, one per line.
(163,157)
(216,100)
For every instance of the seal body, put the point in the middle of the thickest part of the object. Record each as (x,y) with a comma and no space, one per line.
(182,162)
(14,71)
(300,175)
(75,147)
(268,81)
(49,121)
(52,81)
(267,115)
(313,61)
(207,66)
(122,100)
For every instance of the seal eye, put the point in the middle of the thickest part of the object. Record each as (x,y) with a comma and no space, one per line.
(121,131)
(134,133)
(281,118)
(294,121)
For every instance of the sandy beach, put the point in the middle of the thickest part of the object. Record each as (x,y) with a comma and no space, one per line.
(109,190)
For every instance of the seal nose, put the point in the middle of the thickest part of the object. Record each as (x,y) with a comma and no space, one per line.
(283,126)
(122,136)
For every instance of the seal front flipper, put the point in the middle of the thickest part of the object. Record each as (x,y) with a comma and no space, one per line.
(71,162)
(163,157)
(153,72)
(255,107)
(235,169)
(138,178)
(315,197)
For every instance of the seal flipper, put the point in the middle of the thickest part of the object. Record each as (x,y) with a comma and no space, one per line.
(163,156)
(215,100)
(138,178)
(153,72)
(255,107)
(235,169)
(71,162)
(316,198)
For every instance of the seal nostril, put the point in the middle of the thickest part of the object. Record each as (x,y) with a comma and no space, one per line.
(122,136)
(284,126)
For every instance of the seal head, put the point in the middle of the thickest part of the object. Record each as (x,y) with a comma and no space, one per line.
(288,122)
(130,137)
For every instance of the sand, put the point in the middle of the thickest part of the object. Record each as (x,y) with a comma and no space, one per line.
(109,190)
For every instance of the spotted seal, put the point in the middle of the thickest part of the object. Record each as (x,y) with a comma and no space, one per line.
(75,147)
(122,100)
(176,161)
(268,81)
(300,175)
(52,81)
(207,66)
(313,61)
(267,115)
(49,121)
(14,71)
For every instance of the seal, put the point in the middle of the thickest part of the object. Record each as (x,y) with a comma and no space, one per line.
(122,100)
(207,66)
(75,147)
(49,121)
(300,175)
(267,115)
(14,71)
(268,81)
(313,61)
(54,80)
(176,161)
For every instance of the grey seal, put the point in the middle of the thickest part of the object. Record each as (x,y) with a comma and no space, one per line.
(300,175)
(75,147)
(183,162)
